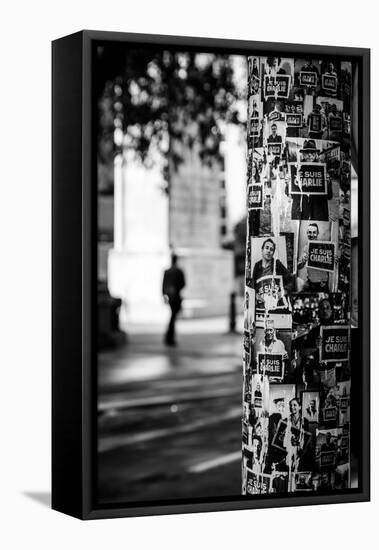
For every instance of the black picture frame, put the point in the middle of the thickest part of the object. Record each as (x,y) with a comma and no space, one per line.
(74,316)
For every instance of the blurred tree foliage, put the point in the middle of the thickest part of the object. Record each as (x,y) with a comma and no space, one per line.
(147,98)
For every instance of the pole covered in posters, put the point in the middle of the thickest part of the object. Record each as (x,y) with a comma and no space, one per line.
(296,350)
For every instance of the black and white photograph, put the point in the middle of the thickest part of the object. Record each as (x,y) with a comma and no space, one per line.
(223,347)
(317,260)
(310,406)
(303,481)
(175,219)
(260,389)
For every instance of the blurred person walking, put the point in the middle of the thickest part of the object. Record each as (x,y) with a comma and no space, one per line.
(173,283)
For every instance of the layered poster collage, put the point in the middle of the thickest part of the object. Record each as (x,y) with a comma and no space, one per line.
(296,364)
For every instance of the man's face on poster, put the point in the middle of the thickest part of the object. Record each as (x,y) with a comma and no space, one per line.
(309,156)
(255,444)
(269,334)
(325,310)
(274,129)
(312,232)
(268,251)
(324,480)
(312,404)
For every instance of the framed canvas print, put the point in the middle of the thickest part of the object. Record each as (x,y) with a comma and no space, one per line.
(211,292)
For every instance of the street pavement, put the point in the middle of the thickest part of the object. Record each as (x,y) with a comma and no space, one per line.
(169,422)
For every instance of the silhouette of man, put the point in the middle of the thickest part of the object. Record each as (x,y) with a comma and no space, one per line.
(173,283)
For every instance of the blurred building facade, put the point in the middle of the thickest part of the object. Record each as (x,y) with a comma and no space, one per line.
(194,218)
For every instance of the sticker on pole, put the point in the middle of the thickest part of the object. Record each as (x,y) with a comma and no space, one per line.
(321,255)
(255,196)
(274,149)
(329,83)
(294,120)
(255,126)
(308,78)
(334,343)
(278,86)
(315,122)
(271,365)
(308,178)
(269,293)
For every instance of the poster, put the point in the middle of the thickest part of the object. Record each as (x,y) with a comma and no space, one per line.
(252,486)
(254,126)
(294,107)
(321,255)
(255,196)
(310,406)
(274,149)
(288,436)
(327,459)
(270,293)
(315,122)
(294,120)
(276,86)
(303,481)
(334,343)
(335,124)
(254,83)
(329,83)
(330,415)
(271,365)
(246,341)
(308,79)
(308,178)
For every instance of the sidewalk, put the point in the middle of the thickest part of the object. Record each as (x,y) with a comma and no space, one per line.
(170,418)
(205,348)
